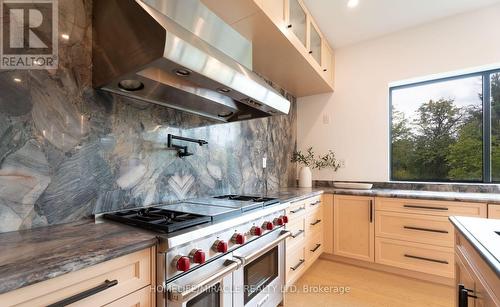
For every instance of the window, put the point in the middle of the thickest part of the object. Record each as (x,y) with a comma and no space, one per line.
(447,129)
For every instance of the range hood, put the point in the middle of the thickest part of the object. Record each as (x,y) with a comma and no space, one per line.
(164,52)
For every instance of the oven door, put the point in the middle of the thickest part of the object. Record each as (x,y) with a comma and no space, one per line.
(260,280)
(208,286)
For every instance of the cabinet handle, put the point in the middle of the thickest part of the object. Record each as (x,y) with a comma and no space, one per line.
(316,222)
(298,210)
(425,207)
(295,267)
(297,234)
(316,248)
(425,229)
(324,69)
(80,296)
(289,26)
(371,211)
(426,259)
(316,203)
(310,52)
(463,296)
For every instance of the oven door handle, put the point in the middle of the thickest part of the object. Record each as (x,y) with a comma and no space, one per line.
(251,257)
(187,292)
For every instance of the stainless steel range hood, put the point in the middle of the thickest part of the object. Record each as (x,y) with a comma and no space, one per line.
(141,51)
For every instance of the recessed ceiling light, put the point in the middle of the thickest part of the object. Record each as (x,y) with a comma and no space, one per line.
(65,36)
(352,3)
(17,80)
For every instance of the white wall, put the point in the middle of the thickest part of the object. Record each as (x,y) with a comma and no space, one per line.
(357,114)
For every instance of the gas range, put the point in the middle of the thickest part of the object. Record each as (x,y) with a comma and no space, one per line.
(198,235)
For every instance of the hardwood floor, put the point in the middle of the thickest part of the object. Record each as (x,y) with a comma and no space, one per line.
(367,288)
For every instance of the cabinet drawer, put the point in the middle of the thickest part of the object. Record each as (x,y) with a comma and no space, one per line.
(296,211)
(140,298)
(312,203)
(298,231)
(494,211)
(314,220)
(132,272)
(295,263)
(419,257)
(314,247)
(430,207)
(420,228)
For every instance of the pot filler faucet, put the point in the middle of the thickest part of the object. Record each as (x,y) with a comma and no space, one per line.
(182,151)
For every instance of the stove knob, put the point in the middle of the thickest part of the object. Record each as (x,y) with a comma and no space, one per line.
(256,231)
(278,221)
(197,256)
(238,238)
(285,219)
(182,263)
(220,246)
(268,226)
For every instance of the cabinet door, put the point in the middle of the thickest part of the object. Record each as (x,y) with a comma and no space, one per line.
(140,298)
(327,200)
(327,62)
(354,231)
(275,10)
(297,20)
(464,278)
(315,43)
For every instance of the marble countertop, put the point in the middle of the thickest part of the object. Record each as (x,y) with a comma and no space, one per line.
(493,198)
(31,256)
(484,235)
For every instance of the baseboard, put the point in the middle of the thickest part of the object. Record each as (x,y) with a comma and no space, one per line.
(388,269)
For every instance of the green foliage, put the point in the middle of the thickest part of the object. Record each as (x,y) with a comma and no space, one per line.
(444,144)
(309,159)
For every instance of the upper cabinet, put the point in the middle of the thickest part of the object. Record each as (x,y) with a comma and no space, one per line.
(287,45)
(297,21)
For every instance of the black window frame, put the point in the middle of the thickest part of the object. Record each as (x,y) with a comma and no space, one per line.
(486,173)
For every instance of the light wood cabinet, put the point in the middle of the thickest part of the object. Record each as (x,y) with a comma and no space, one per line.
(282,33)
(140,298)
(475,276)
(115,279)
(327,200)
(305,245)
(354,228)
(493,211)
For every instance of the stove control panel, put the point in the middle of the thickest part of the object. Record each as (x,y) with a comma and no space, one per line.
(205,248)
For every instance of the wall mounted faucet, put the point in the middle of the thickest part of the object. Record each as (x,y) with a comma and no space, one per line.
(182,151)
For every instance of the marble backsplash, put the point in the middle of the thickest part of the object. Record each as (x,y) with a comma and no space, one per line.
(68,151)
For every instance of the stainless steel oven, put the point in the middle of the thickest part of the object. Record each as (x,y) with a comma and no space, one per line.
(259,281)
(209,286)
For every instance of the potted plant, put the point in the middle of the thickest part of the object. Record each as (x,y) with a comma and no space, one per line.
(309,161)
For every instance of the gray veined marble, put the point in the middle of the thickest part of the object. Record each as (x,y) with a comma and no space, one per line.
(68,151)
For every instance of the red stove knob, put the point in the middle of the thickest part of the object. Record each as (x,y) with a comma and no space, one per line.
(238,238)
(285,219)
(220,246)
(256,231)
(197,256)
(268,226)
(278,221)
(182,263)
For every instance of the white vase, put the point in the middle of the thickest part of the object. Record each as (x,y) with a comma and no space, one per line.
(305,177)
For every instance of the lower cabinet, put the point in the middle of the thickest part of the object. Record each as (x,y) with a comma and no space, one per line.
(353,227)
(124,281)
(402,235)
(306,223)
(476,284)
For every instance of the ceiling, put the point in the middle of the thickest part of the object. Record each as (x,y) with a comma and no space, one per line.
(373,18)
